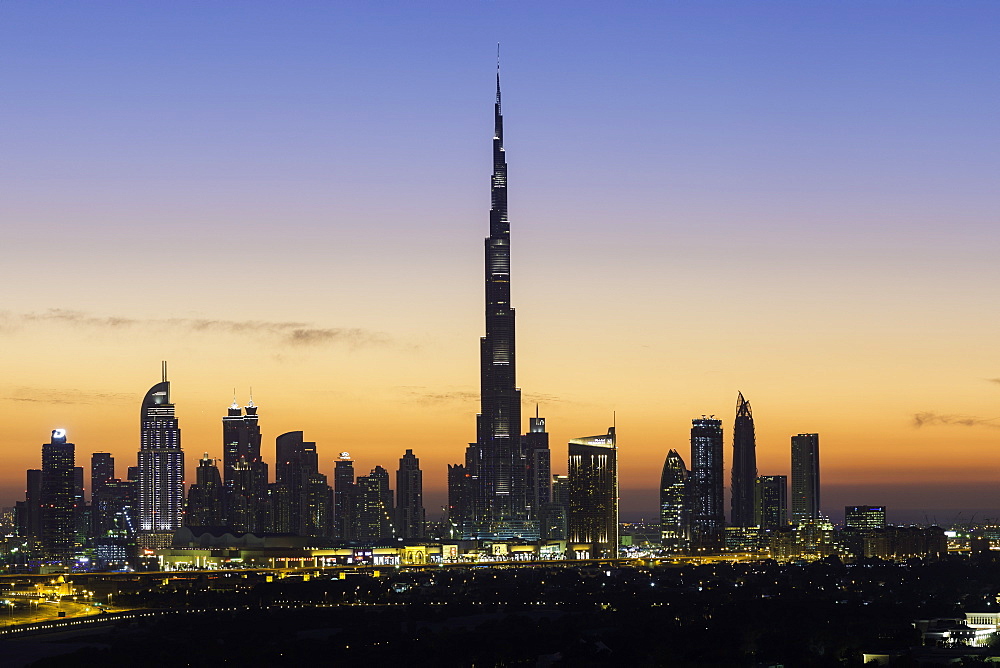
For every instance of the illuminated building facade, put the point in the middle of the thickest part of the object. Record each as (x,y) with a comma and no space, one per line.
(593,493)
(805,477)
(344,493)
(771,501)
(744,472)
(244,470)
(58,500)
(161,462)
(306,496)
(864,518)
(409,498)
(707,495)
(539,467)
(675,508)
(374,509)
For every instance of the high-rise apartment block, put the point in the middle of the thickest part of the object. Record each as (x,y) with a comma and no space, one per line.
(409,498)
(707,495)
(593,493)
(675,506)
(374,507)
(58,500)
(244,471)
(805,477)
(206,498)
(771,501)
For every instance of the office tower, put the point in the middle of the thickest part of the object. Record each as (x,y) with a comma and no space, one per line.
(593,493)
(864,517)
(675,512)
(30,516)
(460,492)
(555,513)
(161,464)
(744,473)
(308,497)
(805,477)
(344,492)
(102,469)
(496,463)
(707,517)
(771,501)
(535,445)
(244,470)
(374,509)
(205,504)
(58,499)
(81,511)
(409,498)
(114,518)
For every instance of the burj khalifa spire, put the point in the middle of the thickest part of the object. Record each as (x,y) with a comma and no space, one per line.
(495,461)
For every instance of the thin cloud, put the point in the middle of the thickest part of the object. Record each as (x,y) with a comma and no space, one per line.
(41,395)
(421,395)
(993,380)
(292,333)
(928,419)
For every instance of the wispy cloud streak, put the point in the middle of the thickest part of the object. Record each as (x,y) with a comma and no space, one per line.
(290,333)
(928,419)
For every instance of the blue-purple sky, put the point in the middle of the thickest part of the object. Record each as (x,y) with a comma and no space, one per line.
(796,200)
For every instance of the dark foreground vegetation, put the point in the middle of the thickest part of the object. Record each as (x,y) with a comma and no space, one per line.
(762,614)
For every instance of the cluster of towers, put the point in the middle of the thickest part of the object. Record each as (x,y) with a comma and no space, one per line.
(504,489)
(126,516)
(692,515)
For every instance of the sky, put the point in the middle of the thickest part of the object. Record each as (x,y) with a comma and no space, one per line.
(792,200)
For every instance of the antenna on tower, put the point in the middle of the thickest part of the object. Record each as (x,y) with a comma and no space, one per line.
(536,410)
(164,368)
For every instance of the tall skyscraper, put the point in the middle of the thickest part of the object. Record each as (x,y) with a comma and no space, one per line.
(205,505)
(161,464)
(805,477)
(375,507)
(593,493)
(244,470)
(771,501)
(496,463)
(555,514)
(30,517)
(308,497)
(58,499)
(535,445)
(744,473)
(102,470)
(707,495)
(675,515)
(409,498)
(460,505)
(344,496)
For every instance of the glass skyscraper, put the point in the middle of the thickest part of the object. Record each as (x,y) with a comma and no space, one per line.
(161,462)
(496,464)
(744,473)
(593,493)
(805,477)
(708,517)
